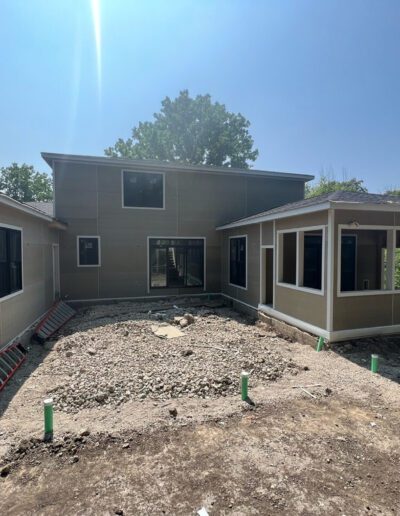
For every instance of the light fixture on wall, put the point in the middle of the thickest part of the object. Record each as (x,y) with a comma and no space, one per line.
(353,224)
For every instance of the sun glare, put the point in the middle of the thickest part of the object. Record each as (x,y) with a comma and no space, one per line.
(95,8)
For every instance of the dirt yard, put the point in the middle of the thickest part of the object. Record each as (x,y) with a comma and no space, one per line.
(148,425)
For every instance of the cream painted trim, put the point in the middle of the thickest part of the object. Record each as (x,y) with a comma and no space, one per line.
(277,216)
(330,269)
(141,172)
(297,286)
(178,238)
(98,264)
(274,264)
(238,301)
(310,328)
(331,336)
(361,293)
(229,262)
(21,291)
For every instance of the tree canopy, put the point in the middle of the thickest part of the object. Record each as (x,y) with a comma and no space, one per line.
(393,191)
(189,130)
(23,183)
(327,184)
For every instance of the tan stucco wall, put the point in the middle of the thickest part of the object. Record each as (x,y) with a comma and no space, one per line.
(251,295)
(89,199)
(364,311)
(21,310)
(267,233)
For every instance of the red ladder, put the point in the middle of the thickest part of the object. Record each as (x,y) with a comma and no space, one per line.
(10,359)
(57,316)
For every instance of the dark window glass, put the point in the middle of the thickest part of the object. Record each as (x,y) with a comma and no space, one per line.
(289,249)
(176,263)
(143,190)
(237,261)
(10,261)
(312,274)
(89,251)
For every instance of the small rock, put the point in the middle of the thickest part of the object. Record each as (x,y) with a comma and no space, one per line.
(187,352)
(183,322)
(91,351)
(189,318)
(5,470)
(328,391)
(173,412)
(85,432)
(74,459)
(119,511)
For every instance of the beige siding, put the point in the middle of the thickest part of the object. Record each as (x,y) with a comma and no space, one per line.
(267,233)
(89,199)
(364,311)
(21,310)
(305,306)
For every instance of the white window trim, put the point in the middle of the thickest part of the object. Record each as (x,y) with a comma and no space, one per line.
(77,250)
(229,262)
(360,293)
(149,288)
(17,292)
(297,286)
(141,172)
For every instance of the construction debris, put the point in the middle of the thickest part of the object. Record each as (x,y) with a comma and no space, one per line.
(112,354)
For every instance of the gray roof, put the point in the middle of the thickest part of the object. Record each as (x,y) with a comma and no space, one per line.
(45,207)
(153,164)
(334,197)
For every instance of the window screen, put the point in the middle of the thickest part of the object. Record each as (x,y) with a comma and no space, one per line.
(10,261)
(88,251)
(237,261)
(312,274)
(143,190)
(176,263)
(289,250)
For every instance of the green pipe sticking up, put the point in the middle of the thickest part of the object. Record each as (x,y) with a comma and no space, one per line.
(374,363)
(244,385)
(48,418)
(320,344)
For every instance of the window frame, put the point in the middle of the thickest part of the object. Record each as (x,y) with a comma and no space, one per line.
(21,290)
(300,262)
(203,287)
(229,261)
(77,251)
(367,227)
(142,172)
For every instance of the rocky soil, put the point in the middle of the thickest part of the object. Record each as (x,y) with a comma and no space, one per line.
(109,355)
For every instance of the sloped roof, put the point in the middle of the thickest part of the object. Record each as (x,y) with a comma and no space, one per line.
(153,164)
(334,197)
(45,207)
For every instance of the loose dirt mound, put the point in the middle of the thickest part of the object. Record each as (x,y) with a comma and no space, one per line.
(111,355)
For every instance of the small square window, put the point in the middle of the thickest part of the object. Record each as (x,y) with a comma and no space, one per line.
(143,190)
(88,251)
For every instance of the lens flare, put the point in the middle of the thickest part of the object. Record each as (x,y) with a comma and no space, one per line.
(95,7)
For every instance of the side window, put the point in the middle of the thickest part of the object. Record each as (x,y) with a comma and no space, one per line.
(289,257)
(143,189)
(88,251)
(10,261)
(237,261)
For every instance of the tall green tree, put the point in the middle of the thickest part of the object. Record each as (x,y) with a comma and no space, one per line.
(327,184)
(23,183)
(393,191)
(189,130)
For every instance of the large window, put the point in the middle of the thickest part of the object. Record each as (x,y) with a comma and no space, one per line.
(300,263)
(88,251)
(176,263)
(237,261)
(143,189)
(369,260)
(10,261)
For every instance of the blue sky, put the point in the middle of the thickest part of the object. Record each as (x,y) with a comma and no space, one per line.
(318,79)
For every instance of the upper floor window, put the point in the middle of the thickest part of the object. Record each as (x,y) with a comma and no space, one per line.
(88,251)
(237,261)
(10,261)
(143,189)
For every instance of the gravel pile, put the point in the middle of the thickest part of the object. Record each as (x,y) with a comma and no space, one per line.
(109,355)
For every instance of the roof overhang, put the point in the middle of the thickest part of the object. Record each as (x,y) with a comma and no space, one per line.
(144,164)
(312,209)
(12,203)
